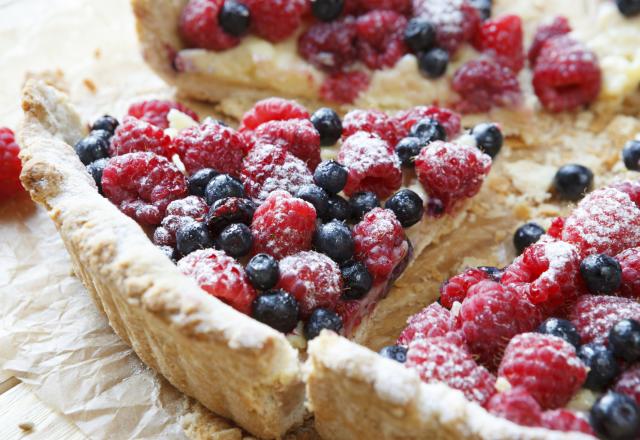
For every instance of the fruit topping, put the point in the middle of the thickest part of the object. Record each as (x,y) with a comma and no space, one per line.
(517,405)
(615,416)
(374,122)
(630,265)
(334,240)
(199,180)
(431,322)
(298,136)
(221,187)
(502,38)
(235,240)
(455,21)
(277,309)
(380,38)
(276,20)
(407,206)
(330,46)
(601,273)
(262,271)
(594,316)
(397,353)
(602,364)
(357,281)
(331,176)
(234,18)
(559,26)
(155,111)
(344,87)
(456,288)
(199,26)
(328,124)
(526,235)
(488,138)
(10,166)
(572,182)
(562,329)
(272,109)
(631,155)
(192,236)
(322,319)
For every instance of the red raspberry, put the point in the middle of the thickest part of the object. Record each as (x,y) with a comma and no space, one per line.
(630,262)
(276,20)
(10,166)
(455,288)
(440,360)
(283,225)
(372,121)
(272,109)
(547,366)
(629,383)
(372,165)
(555,229)
(450,172)
(516,405)
(456,21)
(431,322)
(503,38)
(491,315)
(221,276)
(142,185)
(298,136)
(351,313)
(594,316)
(179,212)
(155,111)
(210,145)
(450,120)
(606,221)
(630,188)
(313,278)
(567,75)
(135,135)
(401,6)
(344,87)
(270,167)
(200,28)
(381,38)
(483,83)
(380,242)
(559,26)
(330,46)
(566,421)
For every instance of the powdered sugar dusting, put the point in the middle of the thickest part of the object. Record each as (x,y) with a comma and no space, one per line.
(595,315)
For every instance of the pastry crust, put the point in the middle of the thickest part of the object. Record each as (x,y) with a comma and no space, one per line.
(235,366)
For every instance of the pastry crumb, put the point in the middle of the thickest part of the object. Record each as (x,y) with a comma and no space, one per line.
(97,54)
(90,85)
(26,426)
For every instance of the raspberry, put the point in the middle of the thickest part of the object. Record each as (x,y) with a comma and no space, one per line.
(10,166)
(225,212)
(330,46)
(298,136)
(272,109)
(270,167)
(566,421)
(491,315)
(502,38)
(210,145)
(630,262)
(555,229)
(440,360)
(567,75)
(450,172)
(135,135)
(401,6)
(630,188)
(559,26)
(179,212)
(372,121)
(283,225)
(313,278)
(344,87)
(450,120)
(200,28)
(372,165)
(155,111)
(220,276)
(606,221)
(380,40)
(455,288)
(629,383)
(142,185)
(483,83)
(456,21)
(546,366)
(433,321)
(351,314)
(594,316)
(516,405)
(276,20)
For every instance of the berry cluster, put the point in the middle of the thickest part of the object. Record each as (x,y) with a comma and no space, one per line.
(10,166)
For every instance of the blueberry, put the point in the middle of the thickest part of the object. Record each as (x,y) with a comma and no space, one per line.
(193,236)
(229,210)
(317,197)
(628,8)
(483,7)
(615,416)
(104,134)
(339,208)
(170,252)
(362,202)
(277,309)
(92,148)
(199,180)
(494,273)
(357,280)
(435,207)
(526,235)
(334,240)
(561,328)
(106,122)
(407,150)
(631,155)
(234,18)
(603,367)
(428,130)
(397,353)
(419,35)
(235,240)
(488,138)
(572,182)
(601,273)
(95,169)
(433,63)
(331,176)
(262,271)
(322,319)
(221,186)
(327,10)
(624,340)
(407,206)
(328,124)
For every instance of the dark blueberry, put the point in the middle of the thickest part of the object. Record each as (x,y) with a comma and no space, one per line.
(221,186)
(601,273)
(362,202)
(235,240)
(397,353)
(488,138)
(191,237)
(170,252)
(322,319)
(494,273)
(277,309)
(317,197)
(199,180)
(227,211)
(330,176)
(104,134)
(433,63)
(95,169)
(357,280)
(327,10)
(526,235)
(572,182)
(339,208)
(483,7)
(435,207)
(420,34)
(328,124)
(262,271)
(106,122)
(631,155)
(428,130)
(628,8)
(624,340)
(334,240)
(615,416)
(234,18)
(92,148)
(407,150)
(602,364)
(561,328)
(407,206)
